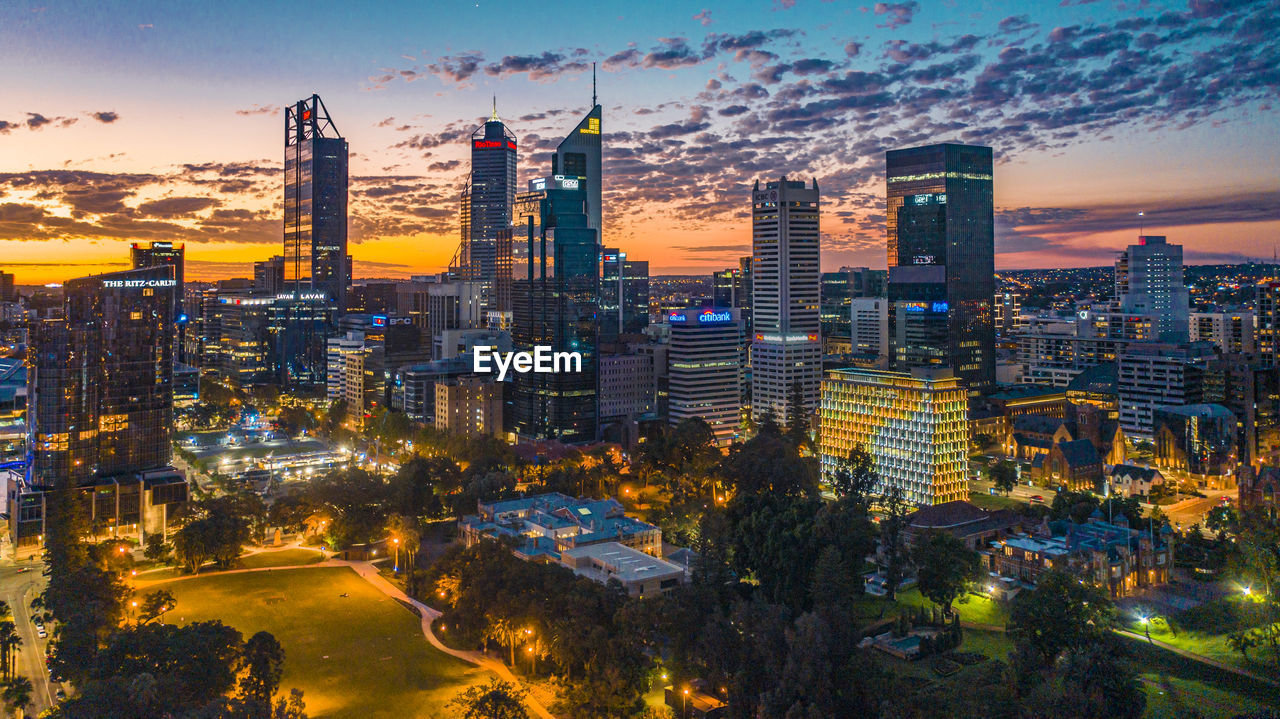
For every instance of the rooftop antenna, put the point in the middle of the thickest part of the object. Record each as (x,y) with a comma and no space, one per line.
(1141,222)
(593,84)
(495,107)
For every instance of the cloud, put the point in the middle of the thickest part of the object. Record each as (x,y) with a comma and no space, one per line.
(106,117)
(546,66)
(37,121)
(898,13)
(171,207)
(704,17)
(6,127)
(259,110)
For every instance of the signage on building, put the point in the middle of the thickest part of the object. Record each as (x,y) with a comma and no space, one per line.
(379,321)
(492,144)
(132,284)
(923,260)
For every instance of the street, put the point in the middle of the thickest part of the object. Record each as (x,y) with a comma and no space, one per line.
(1020,492)
(18,588)
(1191,511)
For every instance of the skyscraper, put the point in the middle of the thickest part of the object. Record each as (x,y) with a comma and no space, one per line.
(315,203)
(1149,281)
(485,251)
(941,256)
(555,292)
(624,295)
(156,254)
(577,157)
(786,351)
(705,369)
(1267,307)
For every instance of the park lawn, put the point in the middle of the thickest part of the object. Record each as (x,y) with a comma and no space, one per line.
(362,655)
(1174,698)
(972,607)
(282,558)
(1205,644)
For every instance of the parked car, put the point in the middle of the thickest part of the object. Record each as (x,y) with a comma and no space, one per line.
(40,632)
(1037,498)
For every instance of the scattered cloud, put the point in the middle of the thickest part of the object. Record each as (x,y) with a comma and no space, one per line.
(106,117)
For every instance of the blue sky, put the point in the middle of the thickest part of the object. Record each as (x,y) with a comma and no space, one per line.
(137,121)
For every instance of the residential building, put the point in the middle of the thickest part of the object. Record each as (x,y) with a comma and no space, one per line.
(941,256)
(469,406)
(913,425)
(1151,375)
(1267,306)
(786,350)
(1128,480)
(705,369)
(1008,313)
(1231,332)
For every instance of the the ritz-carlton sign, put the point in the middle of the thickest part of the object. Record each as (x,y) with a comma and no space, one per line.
(130,284)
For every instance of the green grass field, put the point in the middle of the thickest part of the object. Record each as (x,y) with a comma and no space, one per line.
(972,607)
(992,501)
(282,558)
(362,655)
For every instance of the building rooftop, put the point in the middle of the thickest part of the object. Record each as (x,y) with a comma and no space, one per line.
(610,560)
(1079,453)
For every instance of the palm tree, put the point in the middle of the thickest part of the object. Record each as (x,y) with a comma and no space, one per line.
(404,533)
(17,694)
(9,643)
(505,631)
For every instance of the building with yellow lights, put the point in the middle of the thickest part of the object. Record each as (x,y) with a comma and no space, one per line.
(913,424)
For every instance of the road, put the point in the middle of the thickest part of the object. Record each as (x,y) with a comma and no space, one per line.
(17,589)
(1021,492)
(1192,511)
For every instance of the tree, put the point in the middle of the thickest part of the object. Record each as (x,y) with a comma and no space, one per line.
(944,567)
(1222,519)
(798,419)
(983,441)
(893,549)
(155,605)
(264,666)
(1061,613)
(17,694)
(855,478)
(1096,681)
(495,700)
(156,549)
(403,534)
(1004,474)
(1076,506)
(10,641)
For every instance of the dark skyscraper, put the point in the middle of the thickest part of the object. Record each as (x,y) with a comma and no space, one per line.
(941,256)
(101,380)
(484,253)
(578,158)
(157,254)
(555,291)
(624,295)
(315,203)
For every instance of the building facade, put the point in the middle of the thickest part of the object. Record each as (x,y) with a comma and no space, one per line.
(913,424)
(941,256)
(705,369)
(1149,281)
(786,348)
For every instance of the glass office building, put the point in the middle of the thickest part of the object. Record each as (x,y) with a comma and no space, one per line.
(624,295)
(578,157)
(484,254)
(941,256)
(555,291)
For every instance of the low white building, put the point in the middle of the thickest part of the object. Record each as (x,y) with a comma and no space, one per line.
(641,575)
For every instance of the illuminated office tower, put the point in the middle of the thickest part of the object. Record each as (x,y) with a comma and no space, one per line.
(914,424)
(1149,281)
(624,295)
(1267,307)
(555,293)
(786,349)
(315,203)
(704,364)
(484,254)
(941,256)
(577,157)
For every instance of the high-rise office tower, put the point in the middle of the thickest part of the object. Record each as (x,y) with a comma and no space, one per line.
(786,350)
(838,288)
(705,369)
(941,255)
(555,292)
(624,295)
(315,203)
(7,291)
(577,158)
(484,254)
(268,275)
(1149,281)
(156,254)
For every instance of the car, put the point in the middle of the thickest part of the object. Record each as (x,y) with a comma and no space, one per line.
(23,570)
(40,632)
(1037,498)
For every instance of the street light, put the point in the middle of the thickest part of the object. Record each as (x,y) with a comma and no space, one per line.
(684,704)
(396,541)
(1247,591)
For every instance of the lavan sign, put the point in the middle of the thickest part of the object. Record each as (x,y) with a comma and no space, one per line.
(542,360)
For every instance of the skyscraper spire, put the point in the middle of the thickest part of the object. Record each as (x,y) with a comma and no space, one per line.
(593,85)
(495,107)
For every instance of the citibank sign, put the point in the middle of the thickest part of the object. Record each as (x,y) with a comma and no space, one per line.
(709,317)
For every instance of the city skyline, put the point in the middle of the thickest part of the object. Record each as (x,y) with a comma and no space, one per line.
(1081,103)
